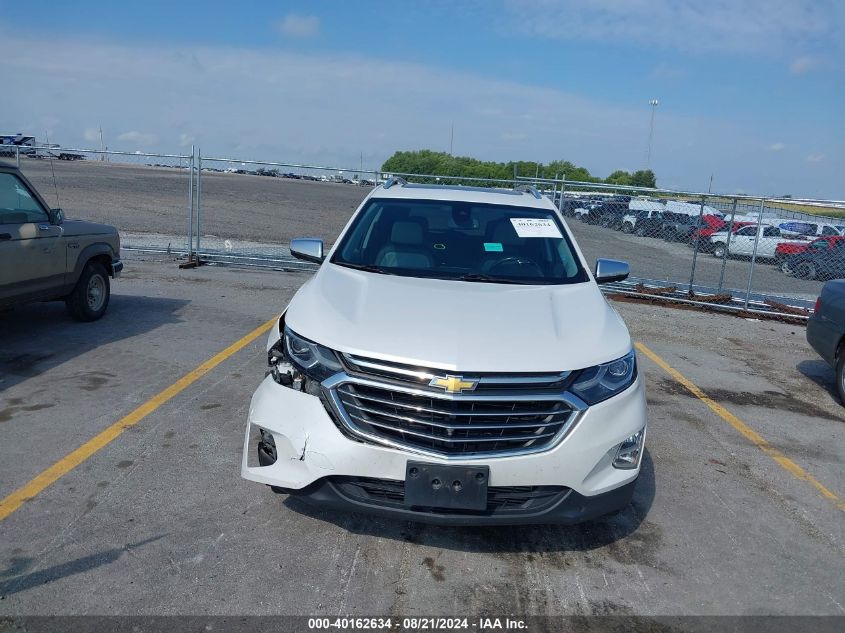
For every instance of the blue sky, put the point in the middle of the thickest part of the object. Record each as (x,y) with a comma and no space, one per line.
(752,92)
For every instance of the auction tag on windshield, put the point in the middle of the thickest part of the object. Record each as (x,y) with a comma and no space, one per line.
(535,227)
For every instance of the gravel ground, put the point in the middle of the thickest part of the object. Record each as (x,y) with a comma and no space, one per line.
(247,209)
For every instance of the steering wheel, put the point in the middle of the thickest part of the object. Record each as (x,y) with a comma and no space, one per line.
(517,261)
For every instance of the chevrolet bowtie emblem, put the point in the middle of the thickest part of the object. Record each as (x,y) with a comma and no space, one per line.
(453,384)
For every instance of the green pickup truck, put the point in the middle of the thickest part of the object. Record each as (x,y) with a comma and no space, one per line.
(43,257)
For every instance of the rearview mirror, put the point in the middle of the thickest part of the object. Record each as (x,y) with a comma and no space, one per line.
(610,270)
(57,216)
(309,249)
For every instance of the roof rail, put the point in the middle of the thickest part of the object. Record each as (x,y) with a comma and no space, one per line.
(394,180)
(528,189)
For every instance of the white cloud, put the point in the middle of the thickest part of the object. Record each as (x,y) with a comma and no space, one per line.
(716,26)
(815,158)
(91,134)
(803,64)
(138,138)
(295,25)
(776,147)
(328,109)
(667,71)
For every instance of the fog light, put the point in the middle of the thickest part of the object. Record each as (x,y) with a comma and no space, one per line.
(266,449)
(629,452)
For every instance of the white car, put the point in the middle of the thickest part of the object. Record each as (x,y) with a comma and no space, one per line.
(451,361)
(743,240)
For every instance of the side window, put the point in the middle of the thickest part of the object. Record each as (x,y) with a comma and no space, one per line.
(771,231)
(747,230)
(829,230)
(17,204)
(819,245)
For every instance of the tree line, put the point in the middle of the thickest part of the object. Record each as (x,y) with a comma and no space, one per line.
(444,164)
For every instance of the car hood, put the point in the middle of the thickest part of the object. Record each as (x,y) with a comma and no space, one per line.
(456,325)
(83,227)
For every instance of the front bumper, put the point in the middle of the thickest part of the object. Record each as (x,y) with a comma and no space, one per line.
(565,507)
(313,455)
(116,268)
(823,338)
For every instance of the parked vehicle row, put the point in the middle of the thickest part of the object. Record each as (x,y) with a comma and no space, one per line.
(810,250)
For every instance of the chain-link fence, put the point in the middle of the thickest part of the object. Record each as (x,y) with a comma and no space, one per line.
(741,251)
(145,195)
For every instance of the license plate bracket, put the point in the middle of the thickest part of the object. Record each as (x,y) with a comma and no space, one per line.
(448,487)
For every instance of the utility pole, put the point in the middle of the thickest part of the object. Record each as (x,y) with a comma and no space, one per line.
(653,104)
(102,156)
(451,137)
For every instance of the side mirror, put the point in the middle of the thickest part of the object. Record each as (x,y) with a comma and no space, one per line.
(309,249)
(610,270)
(57,216)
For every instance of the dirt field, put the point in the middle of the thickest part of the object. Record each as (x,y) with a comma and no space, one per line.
(261,214)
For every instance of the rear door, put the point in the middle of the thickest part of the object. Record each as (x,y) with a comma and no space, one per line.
(32,257)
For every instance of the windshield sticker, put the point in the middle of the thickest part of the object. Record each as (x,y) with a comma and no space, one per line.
(535,227)
(493,247)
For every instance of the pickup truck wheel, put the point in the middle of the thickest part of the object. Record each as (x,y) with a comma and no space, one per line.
(840,376)
(719,250)
(90,297)
(640,232)
(627,227)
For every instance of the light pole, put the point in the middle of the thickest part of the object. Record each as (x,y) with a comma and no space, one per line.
(653,104)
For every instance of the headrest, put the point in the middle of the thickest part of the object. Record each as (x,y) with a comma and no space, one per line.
(504,233)
(407,233)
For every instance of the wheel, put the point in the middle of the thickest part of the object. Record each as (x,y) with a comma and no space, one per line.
(90,297)
(840,375)
(640,232)
(719,250)
(627,227)
(806,270)
(669,236)
(785,268)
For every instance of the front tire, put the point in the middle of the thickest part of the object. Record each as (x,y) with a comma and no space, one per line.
(90,297)
(719,250)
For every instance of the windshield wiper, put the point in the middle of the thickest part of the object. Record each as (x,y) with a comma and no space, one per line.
(490,279)
(370,268)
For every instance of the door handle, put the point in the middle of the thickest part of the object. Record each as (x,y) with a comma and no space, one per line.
(43,227)
(5,236)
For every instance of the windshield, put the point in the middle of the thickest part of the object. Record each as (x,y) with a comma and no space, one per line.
(460,240)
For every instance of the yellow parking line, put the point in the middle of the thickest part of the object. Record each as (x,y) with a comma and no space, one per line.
(746,431)
(72,460)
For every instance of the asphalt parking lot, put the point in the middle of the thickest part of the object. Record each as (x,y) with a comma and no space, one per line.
(739,509)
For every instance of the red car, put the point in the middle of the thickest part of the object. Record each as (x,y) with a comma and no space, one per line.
(820,243)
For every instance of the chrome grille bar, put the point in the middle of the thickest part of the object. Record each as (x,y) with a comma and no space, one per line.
(526,418)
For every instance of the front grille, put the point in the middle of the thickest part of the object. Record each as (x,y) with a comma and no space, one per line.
(500,499)
(464,425)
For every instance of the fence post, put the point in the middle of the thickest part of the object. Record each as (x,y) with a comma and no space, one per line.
(18,156)
(754,253)
(191,205)
(697,241)
(727,246)
(199,199)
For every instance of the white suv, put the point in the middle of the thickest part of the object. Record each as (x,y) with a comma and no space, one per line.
(452,361)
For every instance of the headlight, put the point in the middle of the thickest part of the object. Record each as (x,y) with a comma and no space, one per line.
(604,381)
(312,360)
